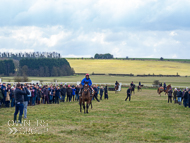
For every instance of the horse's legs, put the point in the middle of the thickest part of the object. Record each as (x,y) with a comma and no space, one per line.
(87,107)
(84,107)
(91,104)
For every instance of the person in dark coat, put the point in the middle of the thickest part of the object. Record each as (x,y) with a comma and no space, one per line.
(106,92)
(96,93)
(185,97)
(19,102)
(39,94)
(46,93)
(69,93)
(128,94)
(4,89)
(179,96)
(1,96)
(57,95)
(101,92)
(63,92)
(170,95)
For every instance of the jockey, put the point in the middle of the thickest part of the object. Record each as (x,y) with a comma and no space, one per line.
(132,84)
(139,83)
(164,86)
(116,83)
(88,80)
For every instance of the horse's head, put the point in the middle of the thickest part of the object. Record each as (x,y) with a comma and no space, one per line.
(169,86)
(86,88)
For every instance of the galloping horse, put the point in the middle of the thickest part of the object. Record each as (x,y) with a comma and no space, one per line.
(116,87)
(161,89)
(85,97)
(140,87)
(133,89)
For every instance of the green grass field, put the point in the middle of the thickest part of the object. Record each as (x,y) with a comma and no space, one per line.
(147,118)
(174,81)
(130,66)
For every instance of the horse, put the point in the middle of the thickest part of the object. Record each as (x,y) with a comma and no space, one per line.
(133,89)
(116,87)
(85,97)
(140,87)
(161,89)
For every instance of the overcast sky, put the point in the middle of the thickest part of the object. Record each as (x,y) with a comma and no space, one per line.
(81,28)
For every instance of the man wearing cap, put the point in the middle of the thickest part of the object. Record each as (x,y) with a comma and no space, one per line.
(86,80)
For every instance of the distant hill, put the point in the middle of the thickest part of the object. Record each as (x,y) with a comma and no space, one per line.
(136,66)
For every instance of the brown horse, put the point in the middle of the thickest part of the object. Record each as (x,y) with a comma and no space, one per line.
(85,97)
(161,89)
(116,87)
(140,87)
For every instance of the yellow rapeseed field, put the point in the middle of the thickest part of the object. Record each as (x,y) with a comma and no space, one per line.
(129,66)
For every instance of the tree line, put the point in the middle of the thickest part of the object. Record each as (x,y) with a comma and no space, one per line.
(45,67)
(7,67)
(103,56)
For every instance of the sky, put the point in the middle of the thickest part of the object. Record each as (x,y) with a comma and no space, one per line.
(82,28)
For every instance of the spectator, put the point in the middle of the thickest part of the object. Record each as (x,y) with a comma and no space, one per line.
(98,90)
(12,96)
(128,94)
(185,97)
(8,93)
(101,92)
(39,94)
(57,95)
(170,95)
(1,96)
(63,91)
(175,95)
(69,93)
(106,92)
(179,96)
(29,95)
(25,102)
(189,98)
(46,93)
(19,102)
(73,92)
(3,87)
(77,92)
(95,93)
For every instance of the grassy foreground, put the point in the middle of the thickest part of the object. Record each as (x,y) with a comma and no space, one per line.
(147,118)
(174,81)
(129,66)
